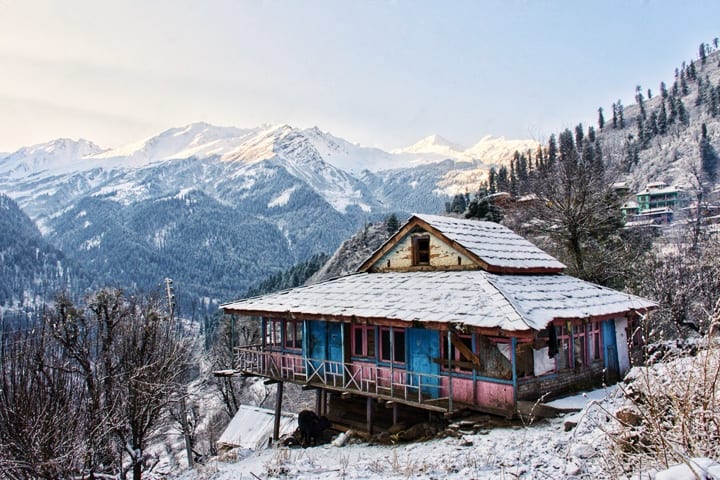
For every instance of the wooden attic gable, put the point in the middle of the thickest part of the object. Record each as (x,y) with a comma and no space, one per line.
(459,244)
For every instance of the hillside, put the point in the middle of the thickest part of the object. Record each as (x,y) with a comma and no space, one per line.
(31,270)
(662,132)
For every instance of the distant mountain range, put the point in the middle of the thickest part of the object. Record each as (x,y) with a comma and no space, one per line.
(221,208)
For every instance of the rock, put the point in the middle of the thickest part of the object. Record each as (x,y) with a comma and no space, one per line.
(569,425)
(629,416)
(582,451)
(342,439)
(572,468)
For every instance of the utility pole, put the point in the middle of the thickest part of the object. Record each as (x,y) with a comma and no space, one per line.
(182,405)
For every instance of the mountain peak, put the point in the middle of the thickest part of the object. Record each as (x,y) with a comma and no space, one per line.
(54,155)
(432,144)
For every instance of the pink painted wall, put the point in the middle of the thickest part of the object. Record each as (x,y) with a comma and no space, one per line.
(489,394)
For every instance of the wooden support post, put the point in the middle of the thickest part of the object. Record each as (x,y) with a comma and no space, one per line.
(513,356)
(369,415)
(395,413)
(318,401)
(450,369)
(278,411)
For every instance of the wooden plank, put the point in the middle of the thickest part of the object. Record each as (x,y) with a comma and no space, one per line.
(465,351)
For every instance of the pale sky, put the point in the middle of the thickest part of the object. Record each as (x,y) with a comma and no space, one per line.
(379,73)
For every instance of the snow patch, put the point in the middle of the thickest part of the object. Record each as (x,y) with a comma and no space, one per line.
(282,199)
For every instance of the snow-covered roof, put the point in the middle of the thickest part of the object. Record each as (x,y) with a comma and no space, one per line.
(653,189)
(251,427)
(495,244)
(475,298)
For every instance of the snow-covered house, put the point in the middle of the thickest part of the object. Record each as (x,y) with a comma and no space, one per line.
(447,314)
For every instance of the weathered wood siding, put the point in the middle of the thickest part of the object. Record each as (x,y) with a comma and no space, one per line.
(491,395)
(441,255)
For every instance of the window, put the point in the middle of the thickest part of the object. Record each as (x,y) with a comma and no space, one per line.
(293,334)
(363,341)
(459,362)
(595,346)
(563,343)
(392,344)
(421,249)
(579,346)
(273,332)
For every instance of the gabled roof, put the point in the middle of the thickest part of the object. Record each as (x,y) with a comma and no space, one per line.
(512,303)
(492,246)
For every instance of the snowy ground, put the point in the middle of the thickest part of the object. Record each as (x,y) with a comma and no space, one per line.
(540,450)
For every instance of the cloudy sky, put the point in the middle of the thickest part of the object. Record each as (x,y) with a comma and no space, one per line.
(379,73)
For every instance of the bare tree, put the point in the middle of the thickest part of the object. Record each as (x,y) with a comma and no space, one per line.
(575,213)
(89,387)
(231,333)
(41,415)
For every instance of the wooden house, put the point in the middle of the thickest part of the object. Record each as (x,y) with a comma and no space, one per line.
(448,314)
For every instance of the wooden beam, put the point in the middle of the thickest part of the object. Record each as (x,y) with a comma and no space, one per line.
(278,411)
(270,381)
(369,415)
(465,351)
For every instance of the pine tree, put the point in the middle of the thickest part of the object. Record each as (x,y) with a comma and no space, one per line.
(654,123)
(492,181)
(684,86)
(614,109)
(708,157)
(503,180)
(649,94)
(392,224)
(703,53)
(714,101)
(621,118)
(700,92)
(663,90)
(579,134)
(591,134)
(552,151)
(601,119)
(682,112)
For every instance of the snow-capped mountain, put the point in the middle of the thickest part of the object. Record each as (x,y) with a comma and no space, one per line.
(434,145)
(219,208)
(49,158)
(488,151)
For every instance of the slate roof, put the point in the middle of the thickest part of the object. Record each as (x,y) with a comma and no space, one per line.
(495,244)
(472,297)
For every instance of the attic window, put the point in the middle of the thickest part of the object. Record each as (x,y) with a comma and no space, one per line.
(421,250)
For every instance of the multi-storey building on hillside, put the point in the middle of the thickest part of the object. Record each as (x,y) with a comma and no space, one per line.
(655,204)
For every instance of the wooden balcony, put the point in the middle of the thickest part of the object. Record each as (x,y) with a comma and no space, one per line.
(366,379)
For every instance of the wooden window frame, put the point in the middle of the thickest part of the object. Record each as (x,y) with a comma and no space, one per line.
(393,333)
(564,336)
(364,333)
(421,255)
(293,334)
(459,362)
(274,333)
(595,345)
(580,338)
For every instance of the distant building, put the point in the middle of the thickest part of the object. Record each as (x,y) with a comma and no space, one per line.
(659,195)
(654,205)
